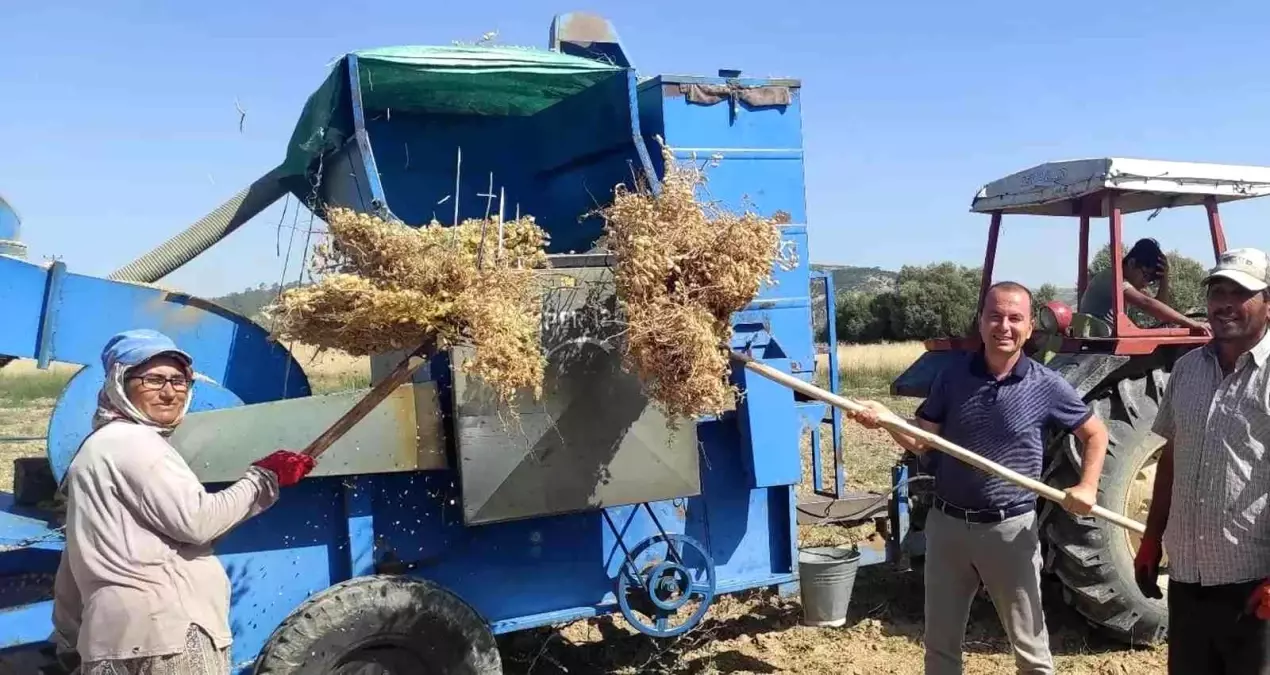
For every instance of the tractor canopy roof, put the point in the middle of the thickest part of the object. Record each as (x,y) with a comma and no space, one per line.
(1140,185)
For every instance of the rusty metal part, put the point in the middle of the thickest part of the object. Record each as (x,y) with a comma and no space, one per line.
(819,510)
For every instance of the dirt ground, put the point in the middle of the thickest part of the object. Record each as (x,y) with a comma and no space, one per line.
(760,632)
(28,419)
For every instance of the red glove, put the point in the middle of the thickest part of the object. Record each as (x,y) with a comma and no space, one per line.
(1146,567)
(1259,601)
(288,466)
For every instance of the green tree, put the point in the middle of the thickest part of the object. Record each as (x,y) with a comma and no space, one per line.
(1185,287)
(931,301)
(863,317)
(937,300)
(1046,293)
(883,307)
(854,316)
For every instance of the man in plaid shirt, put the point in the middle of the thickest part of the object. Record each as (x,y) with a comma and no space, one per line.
(1212,485)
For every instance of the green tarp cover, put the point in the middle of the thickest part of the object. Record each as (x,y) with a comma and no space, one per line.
(456,80)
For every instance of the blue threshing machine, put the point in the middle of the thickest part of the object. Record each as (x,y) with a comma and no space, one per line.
(429,528)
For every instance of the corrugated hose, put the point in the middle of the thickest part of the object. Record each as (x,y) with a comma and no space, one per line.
(205,233)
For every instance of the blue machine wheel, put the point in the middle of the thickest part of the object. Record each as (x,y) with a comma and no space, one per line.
(665,584)
(382,624)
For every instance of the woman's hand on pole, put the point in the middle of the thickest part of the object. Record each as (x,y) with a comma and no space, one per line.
(289,467)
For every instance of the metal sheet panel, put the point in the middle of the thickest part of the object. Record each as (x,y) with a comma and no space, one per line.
(593,440)
(26,624)
(770,428)
(401,434)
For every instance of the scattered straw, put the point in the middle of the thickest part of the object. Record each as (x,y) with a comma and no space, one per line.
(682,269)
(384,286)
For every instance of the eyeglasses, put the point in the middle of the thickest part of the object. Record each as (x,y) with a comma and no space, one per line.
(156,382)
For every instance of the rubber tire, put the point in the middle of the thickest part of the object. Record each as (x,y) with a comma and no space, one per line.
(1092,558)
(426,621)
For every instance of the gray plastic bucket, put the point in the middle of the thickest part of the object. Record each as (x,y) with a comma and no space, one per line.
(826,576)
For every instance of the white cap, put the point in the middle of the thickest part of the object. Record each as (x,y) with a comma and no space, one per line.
(1248,267)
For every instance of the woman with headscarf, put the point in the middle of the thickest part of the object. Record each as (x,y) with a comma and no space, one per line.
(139,589)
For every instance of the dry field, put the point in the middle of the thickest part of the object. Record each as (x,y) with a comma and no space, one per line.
(756,633)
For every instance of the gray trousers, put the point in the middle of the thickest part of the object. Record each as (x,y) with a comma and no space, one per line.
(1006,558)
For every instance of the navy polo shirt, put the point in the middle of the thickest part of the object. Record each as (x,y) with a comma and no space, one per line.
(1001,420)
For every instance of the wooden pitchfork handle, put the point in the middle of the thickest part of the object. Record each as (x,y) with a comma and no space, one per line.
(399,376)
(894,423)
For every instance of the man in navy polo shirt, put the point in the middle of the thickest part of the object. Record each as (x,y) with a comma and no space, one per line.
(996,402)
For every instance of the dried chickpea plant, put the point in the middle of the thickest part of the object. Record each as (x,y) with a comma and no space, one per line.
(682,267)
(385,286)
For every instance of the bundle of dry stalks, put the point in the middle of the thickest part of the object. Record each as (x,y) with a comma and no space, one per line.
(384,286)
(682,268)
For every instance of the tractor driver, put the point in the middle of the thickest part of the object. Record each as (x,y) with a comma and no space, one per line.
(983,529)
(1143,265)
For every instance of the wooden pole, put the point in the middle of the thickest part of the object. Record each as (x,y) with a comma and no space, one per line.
(895,423)
(399,376)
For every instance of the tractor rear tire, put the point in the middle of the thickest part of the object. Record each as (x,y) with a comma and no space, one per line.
(382,624)
(1092,558)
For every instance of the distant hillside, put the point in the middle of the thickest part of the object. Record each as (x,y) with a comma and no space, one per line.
(250,301)
(866,279)
(847,279)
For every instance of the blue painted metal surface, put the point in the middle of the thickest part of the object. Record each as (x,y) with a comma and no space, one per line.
(540,163)
(55,315)
(680,573)
(373,185)
(25,624)
(52,291)
(835,375)
(770,428)
(558,165)
(835,415)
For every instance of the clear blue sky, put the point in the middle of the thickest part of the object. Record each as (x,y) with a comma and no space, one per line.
(119,124)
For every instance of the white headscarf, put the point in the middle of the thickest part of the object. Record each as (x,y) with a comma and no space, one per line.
(113,403)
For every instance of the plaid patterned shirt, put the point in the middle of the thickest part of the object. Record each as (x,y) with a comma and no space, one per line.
(1218,529)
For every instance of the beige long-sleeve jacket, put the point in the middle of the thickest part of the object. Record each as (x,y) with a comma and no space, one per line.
(138,567)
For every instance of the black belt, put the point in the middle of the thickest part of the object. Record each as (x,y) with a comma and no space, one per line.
(980,516)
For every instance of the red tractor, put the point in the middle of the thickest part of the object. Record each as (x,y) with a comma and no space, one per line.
(1119,368)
